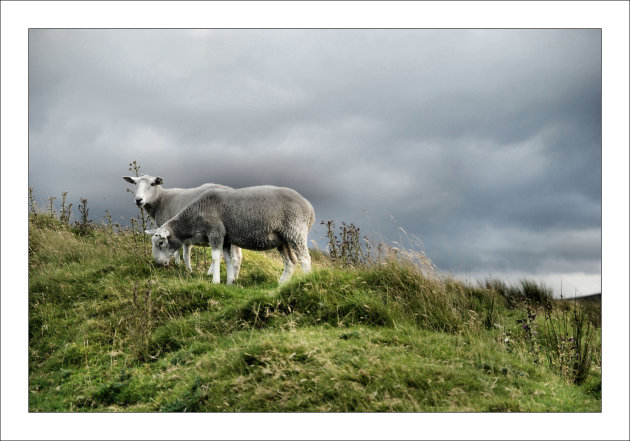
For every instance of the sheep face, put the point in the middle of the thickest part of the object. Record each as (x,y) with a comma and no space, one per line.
(163,245)
(146,191)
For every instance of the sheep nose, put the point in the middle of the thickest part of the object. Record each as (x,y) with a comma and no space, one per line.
(138,201)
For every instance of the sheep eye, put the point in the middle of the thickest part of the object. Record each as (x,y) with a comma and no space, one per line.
(152,184)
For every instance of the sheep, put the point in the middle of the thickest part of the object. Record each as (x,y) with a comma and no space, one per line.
(254,218)
(163,203)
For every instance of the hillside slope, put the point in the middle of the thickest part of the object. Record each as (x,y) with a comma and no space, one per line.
(109,331)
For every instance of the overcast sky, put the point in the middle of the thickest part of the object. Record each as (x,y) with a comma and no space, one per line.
(485,144)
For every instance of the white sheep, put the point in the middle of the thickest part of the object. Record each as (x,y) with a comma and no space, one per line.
(161,204)
(255,218)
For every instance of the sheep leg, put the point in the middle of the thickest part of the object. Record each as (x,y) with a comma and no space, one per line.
(216,265)
(228,265)
(237,257)
(187,252)
(305,261)
(289,264)
(299,248)
(176,256)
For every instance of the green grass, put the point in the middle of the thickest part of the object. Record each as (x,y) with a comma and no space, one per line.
(378,338)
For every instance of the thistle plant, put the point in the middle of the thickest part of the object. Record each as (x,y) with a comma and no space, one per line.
(351,244)
(528,324)
(51,210)
(84,225)
(108,217)
(32,202)
(345,246)
(332,239)
(529,328)
(66,210)
(142,217)
(119,228)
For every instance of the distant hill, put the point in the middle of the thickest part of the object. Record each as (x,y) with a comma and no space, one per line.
(592,298)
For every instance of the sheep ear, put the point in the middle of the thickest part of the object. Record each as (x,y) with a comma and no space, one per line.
(150,232)
(159,181)
(130,179)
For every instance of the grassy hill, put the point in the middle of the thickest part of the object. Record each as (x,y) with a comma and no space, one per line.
(109,331)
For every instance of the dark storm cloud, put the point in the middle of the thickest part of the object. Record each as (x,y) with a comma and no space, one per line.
(472,139)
